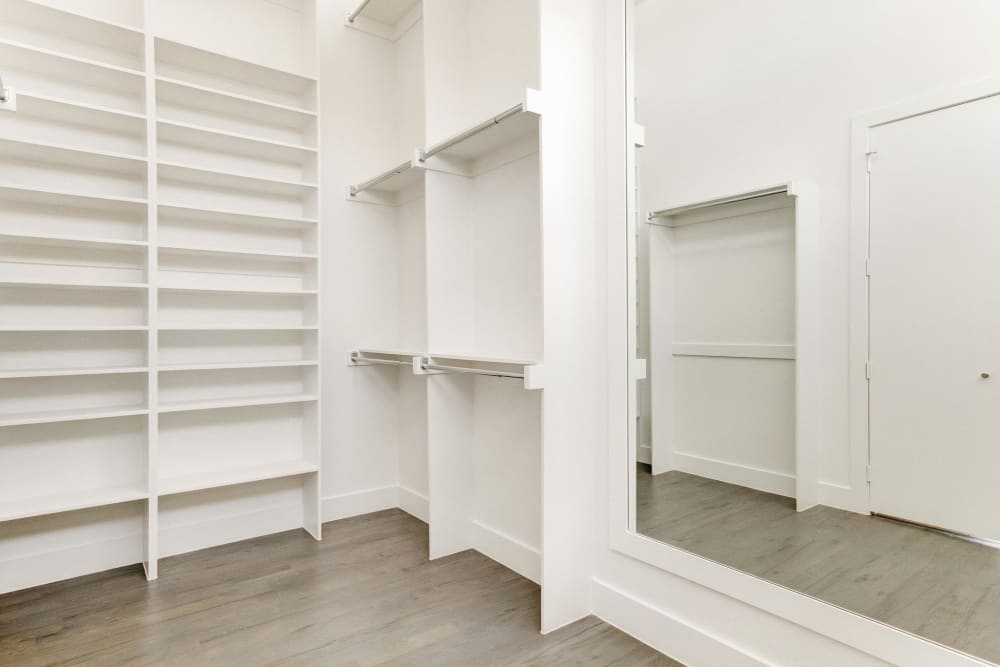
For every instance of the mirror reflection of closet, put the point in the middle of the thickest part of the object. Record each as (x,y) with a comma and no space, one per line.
(721,348)
(834,431)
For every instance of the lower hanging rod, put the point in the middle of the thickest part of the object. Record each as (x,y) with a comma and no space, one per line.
(478,129)
(356,358)
(427,366)
(357,12)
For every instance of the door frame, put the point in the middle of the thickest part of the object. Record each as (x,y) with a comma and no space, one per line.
(858,389)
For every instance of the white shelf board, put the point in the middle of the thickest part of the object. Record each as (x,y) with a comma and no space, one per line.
(68,57)
(389,12)
(386,188)
(229,290)
(14,510)
(223,366)
(225,252)
(69,372)
(73,285)
(75,241)
(509,128)
(69,155)
(70,329)
(71,104)
(191,214)
(239,328)
(221,478)
(70,199)
(224,101)
(93,21)
(173,130)
(389,352)
(232,179)
(483,359)
(54,416)
(388,19)
(248,401)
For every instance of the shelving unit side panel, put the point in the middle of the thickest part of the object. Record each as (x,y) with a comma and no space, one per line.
(451,463)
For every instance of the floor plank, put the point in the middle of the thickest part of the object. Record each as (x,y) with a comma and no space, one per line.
(365,596)
(918,580)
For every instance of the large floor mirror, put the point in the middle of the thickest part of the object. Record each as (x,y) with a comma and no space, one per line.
(896,516)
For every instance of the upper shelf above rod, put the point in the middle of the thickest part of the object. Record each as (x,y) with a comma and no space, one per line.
(390,187)
(388,19)
(505,130)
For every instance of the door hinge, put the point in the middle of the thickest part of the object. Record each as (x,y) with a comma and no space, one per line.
(868,473)
(868,160)
(868,266)
(868,370)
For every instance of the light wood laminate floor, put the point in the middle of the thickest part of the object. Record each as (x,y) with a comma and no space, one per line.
(365,595)
(933,585)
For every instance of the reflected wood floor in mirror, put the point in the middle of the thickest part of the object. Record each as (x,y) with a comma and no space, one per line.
(365,595)
(939,587)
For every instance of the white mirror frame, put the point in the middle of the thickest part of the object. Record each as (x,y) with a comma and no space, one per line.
(864,634)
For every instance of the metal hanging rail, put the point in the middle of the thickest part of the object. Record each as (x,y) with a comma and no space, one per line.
(357,12)
(427,365)
(478,129)
(381,178)
(360,360)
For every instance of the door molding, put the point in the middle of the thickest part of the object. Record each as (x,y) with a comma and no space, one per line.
(861,126)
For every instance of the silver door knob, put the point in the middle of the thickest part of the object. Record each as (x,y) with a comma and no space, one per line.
(985,376)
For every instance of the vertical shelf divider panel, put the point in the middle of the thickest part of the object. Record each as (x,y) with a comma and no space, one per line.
(96,161)
(152,553)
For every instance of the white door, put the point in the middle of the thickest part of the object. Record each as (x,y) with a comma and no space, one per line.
(935,319)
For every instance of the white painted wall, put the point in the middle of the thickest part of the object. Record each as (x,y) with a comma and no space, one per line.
(374,418)
(736,95)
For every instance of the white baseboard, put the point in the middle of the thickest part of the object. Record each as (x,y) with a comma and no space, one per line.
(667,634)
(508,551)
(761,479)
(645,454)
(357,503)
(415,504)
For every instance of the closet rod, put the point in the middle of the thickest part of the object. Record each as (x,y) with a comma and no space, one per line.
(357,12)
(395,171)
(356,358)
(668,212)
(482,127)
(427,366)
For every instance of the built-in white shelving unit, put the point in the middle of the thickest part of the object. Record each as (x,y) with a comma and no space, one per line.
(445,191)
(159,278)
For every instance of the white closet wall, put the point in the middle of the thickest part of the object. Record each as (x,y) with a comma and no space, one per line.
(159,280)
